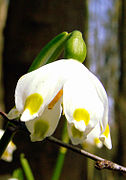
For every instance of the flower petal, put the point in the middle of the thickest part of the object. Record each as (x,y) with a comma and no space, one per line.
(103,97)
(93,137)
(106,138)
(46,124)
(35,90)
(82,105)
(76,136)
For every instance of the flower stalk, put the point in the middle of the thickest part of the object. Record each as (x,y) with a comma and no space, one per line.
(26,168)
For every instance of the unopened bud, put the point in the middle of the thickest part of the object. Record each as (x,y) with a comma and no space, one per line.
(75,47)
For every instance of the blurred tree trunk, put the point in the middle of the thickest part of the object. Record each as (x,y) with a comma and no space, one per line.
(120,107)
(104,62)
(3,11)
(30,25)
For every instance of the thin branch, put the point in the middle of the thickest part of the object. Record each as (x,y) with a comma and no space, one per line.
(4,115)
(16,123)
(101,163)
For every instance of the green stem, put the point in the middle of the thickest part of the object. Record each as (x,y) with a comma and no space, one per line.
(7,137)
(58,166)
(18,174)
(26,168)
(61,155)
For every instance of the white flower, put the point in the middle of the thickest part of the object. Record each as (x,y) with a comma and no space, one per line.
(82,107)
(39,94)
(7,155)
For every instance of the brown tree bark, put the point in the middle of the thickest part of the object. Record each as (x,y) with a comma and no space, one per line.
(3,12)
(120,107)
(30,25)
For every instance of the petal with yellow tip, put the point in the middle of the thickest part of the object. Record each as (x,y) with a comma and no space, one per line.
(45,125)
(106,138)
(82,105)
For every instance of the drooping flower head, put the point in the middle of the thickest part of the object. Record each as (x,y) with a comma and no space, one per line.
(40,93)
(7,155)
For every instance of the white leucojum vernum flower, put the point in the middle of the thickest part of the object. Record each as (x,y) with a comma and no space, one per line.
(8,154)
(39,96)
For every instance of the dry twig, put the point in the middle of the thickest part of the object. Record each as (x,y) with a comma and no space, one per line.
(101,163)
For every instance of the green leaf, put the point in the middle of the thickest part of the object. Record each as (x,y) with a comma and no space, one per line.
(26,168)
(50,52)
(75,47)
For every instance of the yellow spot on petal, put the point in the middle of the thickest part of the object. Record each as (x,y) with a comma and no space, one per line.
(106,132)
(6,154)
(55,99)
(81,114)
(40,128)
(76,133)
(33,103)
(97,140)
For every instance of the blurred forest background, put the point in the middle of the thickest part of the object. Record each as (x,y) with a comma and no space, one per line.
(25,27)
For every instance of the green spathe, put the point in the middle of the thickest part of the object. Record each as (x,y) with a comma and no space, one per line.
(50,52)
(75,47)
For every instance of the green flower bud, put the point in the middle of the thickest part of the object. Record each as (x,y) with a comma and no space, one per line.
(75,47)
